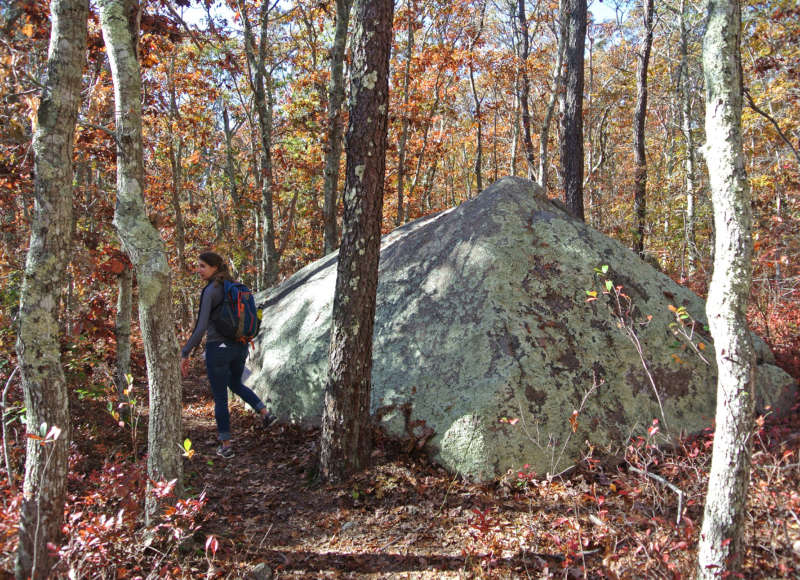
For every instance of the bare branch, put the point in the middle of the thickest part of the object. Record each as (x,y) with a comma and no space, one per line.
(764,114)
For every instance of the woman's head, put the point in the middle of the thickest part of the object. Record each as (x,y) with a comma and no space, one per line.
(212,266)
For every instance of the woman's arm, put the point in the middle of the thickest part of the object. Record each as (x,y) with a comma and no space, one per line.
(203,317)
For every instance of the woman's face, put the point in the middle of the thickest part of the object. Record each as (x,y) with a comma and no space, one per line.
(205,271)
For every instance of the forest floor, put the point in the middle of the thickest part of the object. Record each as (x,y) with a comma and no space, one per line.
(405,517)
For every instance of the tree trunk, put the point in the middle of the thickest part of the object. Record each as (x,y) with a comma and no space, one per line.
(346,438)
(122,330)
(478,100)
(514,131)
(176,161)
(404,123)
(38,346)
(263,99)
(639,117)
(555,82)
(686,127)
(524,94)
(721,547)
(572,119)
(140,240)
(333,148)
(230,171)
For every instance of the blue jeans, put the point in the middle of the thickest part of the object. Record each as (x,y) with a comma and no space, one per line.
(224,365)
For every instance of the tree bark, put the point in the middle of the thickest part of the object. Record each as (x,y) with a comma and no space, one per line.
(555,83)
(639,117)
(261,83)
(230,171)
(333,150)
(686,128)
(478,101)
(721,547)
(145,248)
(524,94)
(38,346)
(176,162)
(346,433)
(572,118)
(404,123)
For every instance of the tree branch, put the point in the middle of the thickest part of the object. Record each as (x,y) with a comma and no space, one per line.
(764,114)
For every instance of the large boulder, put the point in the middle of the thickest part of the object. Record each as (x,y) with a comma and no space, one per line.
(483,334)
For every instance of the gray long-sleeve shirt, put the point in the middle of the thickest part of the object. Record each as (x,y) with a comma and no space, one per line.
(211,297)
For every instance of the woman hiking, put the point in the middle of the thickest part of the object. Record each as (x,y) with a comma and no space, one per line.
(224,358)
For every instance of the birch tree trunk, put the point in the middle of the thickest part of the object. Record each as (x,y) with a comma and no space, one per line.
(639,117)
(572,119)
(346,431)
(333,150)
(145,248)
(721,547)
(38,347)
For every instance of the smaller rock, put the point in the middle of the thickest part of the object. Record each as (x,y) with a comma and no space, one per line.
(260,572)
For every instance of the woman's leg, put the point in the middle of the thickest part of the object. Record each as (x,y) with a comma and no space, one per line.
(218,367)
(237,368)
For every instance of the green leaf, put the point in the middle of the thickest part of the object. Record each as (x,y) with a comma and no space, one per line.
(604,268)
(187,444)
(609,285)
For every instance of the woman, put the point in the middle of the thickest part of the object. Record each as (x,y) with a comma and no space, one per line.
(224,358)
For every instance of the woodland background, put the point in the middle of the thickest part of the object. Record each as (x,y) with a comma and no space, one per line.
(455,126)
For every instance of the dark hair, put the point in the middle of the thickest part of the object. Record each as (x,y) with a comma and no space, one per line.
(216,261)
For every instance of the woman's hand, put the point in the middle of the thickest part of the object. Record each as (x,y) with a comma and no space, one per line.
(185,367)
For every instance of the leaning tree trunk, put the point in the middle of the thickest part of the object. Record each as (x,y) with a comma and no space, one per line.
(38,347)
(639,117)
(333,146)
(140,240)
(346,438)
(721,547)
(572,119)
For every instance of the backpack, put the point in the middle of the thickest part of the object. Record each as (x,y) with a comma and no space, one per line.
(237,317)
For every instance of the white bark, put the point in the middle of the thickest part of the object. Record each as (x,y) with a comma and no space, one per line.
(144,246)
(721,546)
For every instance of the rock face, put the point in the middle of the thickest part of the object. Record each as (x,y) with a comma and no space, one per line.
(483,333)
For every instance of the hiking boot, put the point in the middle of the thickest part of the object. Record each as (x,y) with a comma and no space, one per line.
(226,452)
(268,420)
